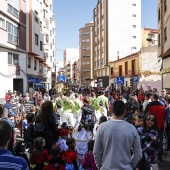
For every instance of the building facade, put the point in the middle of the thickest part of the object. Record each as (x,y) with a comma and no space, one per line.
(127,67)
(13,72)
(41,43)
(149,37)
(86,53)
(69,57)
(164,40)
(115,33)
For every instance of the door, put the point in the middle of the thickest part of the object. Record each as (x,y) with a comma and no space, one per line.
(18,85)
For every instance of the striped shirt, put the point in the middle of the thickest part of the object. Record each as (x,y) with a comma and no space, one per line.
(27,106)
(11,162)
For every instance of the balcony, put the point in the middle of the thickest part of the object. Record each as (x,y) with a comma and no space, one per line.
(13,70)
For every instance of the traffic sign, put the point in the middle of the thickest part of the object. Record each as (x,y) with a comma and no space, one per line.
(135,79)
(120,80)
(62,78)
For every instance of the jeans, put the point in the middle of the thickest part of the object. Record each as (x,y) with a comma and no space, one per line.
(160,145)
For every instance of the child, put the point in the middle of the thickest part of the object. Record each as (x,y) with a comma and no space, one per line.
(40,155)
(55,159)
(62,140)
(88,162)
(20,150)
(71,155)
(138,120)
(82,137)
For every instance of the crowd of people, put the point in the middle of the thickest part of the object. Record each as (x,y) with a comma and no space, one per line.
(86,128)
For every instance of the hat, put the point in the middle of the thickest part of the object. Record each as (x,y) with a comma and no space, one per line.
(163,90)
(63,132)
(69,141)
(86,100)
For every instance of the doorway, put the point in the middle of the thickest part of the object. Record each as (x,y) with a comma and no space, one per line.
(18,85)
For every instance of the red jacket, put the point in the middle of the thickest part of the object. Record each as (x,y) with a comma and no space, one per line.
(159,110)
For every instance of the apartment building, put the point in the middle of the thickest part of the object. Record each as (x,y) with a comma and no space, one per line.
(117,31)
(70,55)
(164,40)
(127,67)
(13,75)
(149,37)
(41,43)
(86,53)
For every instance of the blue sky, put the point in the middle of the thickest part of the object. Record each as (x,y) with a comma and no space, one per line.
(71,15)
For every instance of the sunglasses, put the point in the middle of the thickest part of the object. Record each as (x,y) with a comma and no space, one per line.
(149,119)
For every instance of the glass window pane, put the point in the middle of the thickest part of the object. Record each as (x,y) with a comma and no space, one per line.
(15,31)
(15,40)
(9,25)
(15,12)
(15,59)
(9,58)
(10,38)
(9,8)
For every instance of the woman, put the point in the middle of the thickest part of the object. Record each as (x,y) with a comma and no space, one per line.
(149,139)
(82,137)
(88,114)
(45,125)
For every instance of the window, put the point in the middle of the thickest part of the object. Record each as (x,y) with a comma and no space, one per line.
(41,68)
(133,26)
(134,15)
(53,53)
(36,39)
(2,23)
(126,68)
(44,13)
(13,11)
(165,6)
(36,17)
(41,45)
(111,70)
(133,4)
(13,34)
(134,37)
(159,15)
(29,62)
(40,26)
(51,45)
(120,70)
(159,40)
(50,20)
(13,59)
(47,38)
(50,33)
(51,59)
(133,67)
(35,65)
(50,7)
(165,34)
(53,41)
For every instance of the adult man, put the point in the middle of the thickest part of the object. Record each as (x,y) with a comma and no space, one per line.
(114,140)
(159,110)
(68,105)
(8,107)
(76,110)
(7,160)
